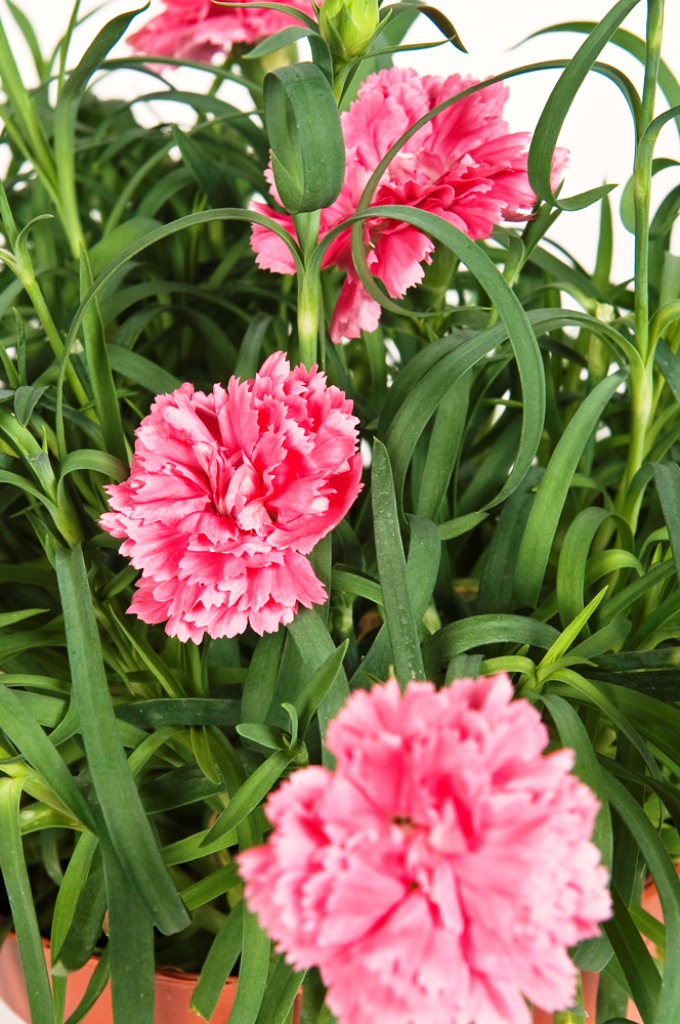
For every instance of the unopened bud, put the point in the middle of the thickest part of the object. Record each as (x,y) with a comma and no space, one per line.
(348,26)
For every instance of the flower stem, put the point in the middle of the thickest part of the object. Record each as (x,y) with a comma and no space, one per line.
(309,288)
(35,294)
(642,381)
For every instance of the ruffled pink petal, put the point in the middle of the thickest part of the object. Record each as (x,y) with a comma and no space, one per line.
(440,873)
(199,29)
(464,165)
(355,311)
(227,493)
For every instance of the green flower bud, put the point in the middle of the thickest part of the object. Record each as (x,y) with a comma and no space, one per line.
(347,26)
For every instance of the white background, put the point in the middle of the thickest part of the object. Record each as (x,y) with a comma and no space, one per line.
(598,131)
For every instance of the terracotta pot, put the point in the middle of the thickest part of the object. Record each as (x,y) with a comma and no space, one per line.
(173,992)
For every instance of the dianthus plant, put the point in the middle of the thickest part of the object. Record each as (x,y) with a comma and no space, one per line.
(340,534)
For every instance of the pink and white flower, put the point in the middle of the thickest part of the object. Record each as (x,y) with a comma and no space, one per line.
(439,873)
(228,492)
(199,29)
(464,165)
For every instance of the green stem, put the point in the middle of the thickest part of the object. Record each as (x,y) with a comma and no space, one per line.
(642,395)
(641,381)
(309,288)
(642,176)
(34,293)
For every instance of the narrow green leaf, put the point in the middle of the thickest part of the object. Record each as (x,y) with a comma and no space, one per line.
(205,169)
(128,826)
(156,714)
(317,686)
(282,990)
(36,747)
(303,124)
(352,583)
(250,795)
(252,981)
(209,888)
(101,378)
(87,916)
(95,987)
(18,886)
(8,619)
(248,360)
(497,579)
(314,645)
(193,847)
(448,431)
(605,246)
(669,364)
(218,964)
(621,603)
(663,872)
(270,737)
(66,113)
(573,733)
(73,882)
(277,41)
(627,41)
(482,630)
(130,947)
(570,632)
(261,679)
(118,239)
(25,400)
(552,492)
(422,564)
(392,569)
(201,750)
(573,560)
(641,973)
(142,371)
(556,109)
(93,461)
(28,31)
(667,478)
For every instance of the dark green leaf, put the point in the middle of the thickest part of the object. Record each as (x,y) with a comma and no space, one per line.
(121,807)
(314,645)
(667,479)
(552,492)
(253,973)
(249,796)
(142,371)
(277,41)
(36,747)
(218,964)
(155,714)
(482,630)
(556,109)
(303,124)
(402,627)
(18,886)
(130,947)
(25,400)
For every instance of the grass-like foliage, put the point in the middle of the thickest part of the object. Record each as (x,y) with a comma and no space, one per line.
(520,512)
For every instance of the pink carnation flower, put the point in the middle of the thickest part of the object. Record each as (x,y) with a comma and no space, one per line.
(464,165)
(198,29)
(226,495)
(439,874)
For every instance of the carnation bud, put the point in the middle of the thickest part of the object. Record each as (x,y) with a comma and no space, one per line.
(348,26)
